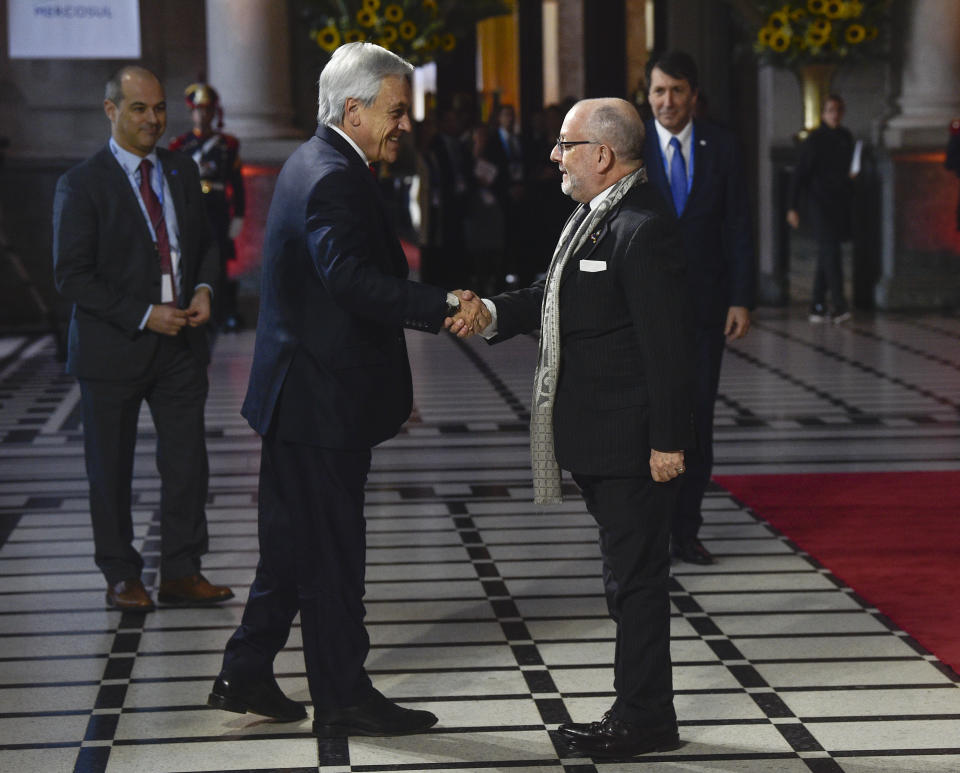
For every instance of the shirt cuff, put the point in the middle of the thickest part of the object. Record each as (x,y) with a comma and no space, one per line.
(143,322)
(490,330)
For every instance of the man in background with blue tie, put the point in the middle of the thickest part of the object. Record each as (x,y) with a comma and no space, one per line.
(133,252)
(696,166)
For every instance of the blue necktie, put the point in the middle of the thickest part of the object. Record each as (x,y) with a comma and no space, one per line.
(678,177)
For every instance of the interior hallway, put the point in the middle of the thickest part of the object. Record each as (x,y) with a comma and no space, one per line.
(481,606)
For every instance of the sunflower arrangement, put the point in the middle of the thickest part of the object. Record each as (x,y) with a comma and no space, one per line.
(810,31)
(417,30)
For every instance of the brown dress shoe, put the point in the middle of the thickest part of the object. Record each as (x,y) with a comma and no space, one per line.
(130,595)
(192,590)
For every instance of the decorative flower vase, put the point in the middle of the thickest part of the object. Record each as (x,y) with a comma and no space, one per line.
(815,80)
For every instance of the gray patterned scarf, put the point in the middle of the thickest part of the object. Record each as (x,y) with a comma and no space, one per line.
(546,472)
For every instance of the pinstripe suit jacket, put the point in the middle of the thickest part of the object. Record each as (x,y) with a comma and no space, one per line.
(624,385)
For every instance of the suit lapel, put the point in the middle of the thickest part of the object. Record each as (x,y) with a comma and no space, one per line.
(175,184)
(119,181)
(593,241)
(395,257)
(702,151)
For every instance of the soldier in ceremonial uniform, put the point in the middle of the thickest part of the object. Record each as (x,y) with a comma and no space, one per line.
(217,155)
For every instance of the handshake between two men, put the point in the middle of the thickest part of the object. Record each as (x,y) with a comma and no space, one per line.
(472,317)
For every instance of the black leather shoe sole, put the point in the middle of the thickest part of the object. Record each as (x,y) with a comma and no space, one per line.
(289,711)
(226,703)
(342,731)
(611,750)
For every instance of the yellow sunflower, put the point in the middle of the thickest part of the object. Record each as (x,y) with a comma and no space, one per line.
(779,42)
(353,36)
(328,38)
(856,33)
(835,9)
(366,17)
(763,36)
(817,6)
(816,40)
(448,42)
(388,33)
(371,5)
(778,20)
(798,14)
(393,13)
(820,27)
(872,33)
(430,5)
(407,30)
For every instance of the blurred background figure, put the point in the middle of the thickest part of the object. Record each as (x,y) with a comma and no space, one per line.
(444,262)
(824,172)
(549,206)
(217,155)
(953,156)
(506,151)
(484,226)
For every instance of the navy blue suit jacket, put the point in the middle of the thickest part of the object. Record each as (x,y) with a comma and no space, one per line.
(105,261)
(333,304)
(715,224)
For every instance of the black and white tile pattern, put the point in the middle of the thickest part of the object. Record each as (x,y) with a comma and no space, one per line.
(481,606)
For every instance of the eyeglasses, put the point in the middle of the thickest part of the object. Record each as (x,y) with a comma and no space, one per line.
(562,145)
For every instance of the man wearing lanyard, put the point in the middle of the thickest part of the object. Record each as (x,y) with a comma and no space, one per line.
(696,166)
(133,253)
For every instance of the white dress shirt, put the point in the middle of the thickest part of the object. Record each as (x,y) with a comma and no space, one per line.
(685,136)
(130,162)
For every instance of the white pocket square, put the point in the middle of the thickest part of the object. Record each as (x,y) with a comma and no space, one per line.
(593,265)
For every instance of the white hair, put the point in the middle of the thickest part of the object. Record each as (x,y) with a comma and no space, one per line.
(355,70)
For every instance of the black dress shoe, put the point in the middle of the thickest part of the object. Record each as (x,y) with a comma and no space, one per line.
(573,730)
(693,552)
(377,715)
(262,696)
(614,738)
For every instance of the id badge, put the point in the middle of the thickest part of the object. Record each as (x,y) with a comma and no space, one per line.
(166,288)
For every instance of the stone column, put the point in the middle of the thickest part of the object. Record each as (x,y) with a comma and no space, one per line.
(248,60)
(930,82)
(920,243)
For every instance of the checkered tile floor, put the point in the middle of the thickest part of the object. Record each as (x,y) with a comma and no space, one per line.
(482,607)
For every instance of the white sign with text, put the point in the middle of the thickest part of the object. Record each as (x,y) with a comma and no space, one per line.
(97,29)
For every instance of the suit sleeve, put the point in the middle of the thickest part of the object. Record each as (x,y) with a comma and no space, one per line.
(341,245)
(518,311)
(738,235)
(651,273)
(76,271)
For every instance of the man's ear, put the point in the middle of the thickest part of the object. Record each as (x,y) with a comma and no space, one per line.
(605,159)
(351,111)
(110,109)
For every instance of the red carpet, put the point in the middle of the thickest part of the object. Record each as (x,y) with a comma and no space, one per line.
(892,537)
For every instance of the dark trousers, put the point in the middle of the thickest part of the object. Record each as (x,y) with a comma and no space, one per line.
(175,388)
(312,561)
(633,515)
(708,356)
(829,274)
